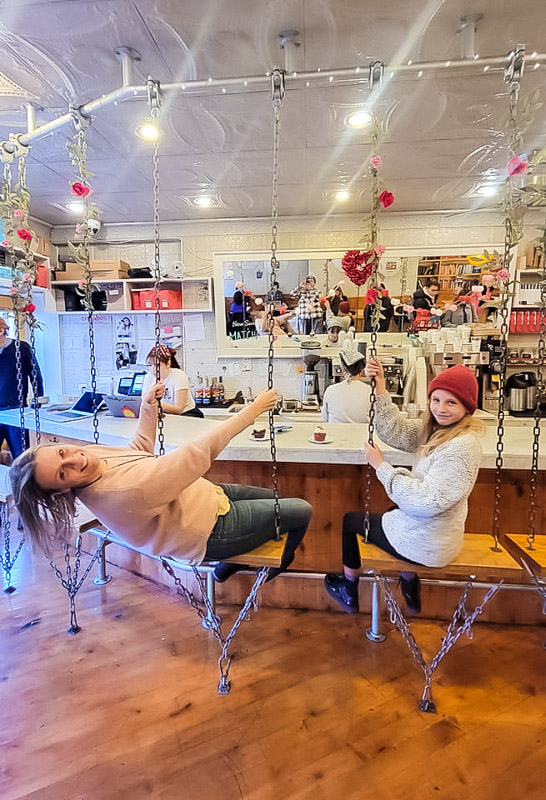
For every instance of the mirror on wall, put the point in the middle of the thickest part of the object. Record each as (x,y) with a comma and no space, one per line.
(243,297)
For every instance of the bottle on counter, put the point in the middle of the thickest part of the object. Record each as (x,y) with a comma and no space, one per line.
(221,391)
(206,392)
(214,393)
(199,391)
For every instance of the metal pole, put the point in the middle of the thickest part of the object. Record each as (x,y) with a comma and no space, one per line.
(102,575)
(373,633)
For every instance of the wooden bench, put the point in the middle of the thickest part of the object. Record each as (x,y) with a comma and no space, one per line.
(268,554)
(476,558)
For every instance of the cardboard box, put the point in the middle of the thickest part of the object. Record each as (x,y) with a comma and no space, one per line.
(120,268)
(100,270)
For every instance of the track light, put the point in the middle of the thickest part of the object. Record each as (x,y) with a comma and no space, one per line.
(148,130)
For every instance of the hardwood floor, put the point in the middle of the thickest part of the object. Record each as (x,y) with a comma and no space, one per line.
(128,708)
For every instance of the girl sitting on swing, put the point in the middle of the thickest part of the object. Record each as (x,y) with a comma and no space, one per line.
(427,526)
(161,505)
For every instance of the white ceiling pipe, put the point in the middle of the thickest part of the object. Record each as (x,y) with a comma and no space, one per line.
(31,116)
(289,42)
(127,56)
(262,82)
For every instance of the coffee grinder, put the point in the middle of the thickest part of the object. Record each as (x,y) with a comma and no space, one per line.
(310,394)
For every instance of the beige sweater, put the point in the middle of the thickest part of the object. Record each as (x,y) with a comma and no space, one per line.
(161,505)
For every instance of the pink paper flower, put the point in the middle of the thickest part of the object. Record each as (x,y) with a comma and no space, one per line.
(379,249)
(386,198)
(5,243)
(13,291)
(18,213)
(80,190)
(376,161)
(516,166)
(27,277)
(503,274)
(79,228)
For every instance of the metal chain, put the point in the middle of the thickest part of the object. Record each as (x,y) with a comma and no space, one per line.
(373,341)
(461,622)
(512,77)
(7,561)
(71,583)
(214,627)
(531,524)
(277,91)
(81,142)
(31,269)
(157,282)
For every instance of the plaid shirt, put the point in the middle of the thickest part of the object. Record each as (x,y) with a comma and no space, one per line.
(307,299)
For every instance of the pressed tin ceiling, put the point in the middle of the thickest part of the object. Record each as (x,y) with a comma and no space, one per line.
(442,135)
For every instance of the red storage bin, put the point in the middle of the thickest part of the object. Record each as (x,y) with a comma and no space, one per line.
(170,298)
(135,299)
(144,299)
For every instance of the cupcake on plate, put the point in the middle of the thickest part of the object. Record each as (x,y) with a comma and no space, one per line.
(319,434)
(258,432)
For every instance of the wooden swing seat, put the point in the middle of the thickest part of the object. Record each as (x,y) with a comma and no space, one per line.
(476,558)
(518,547)
(268,554)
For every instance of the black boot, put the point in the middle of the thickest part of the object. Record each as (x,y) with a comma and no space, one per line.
(411,591)
(343,591)
(225,570)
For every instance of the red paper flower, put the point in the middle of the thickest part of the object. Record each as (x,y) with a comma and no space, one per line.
(247,293)
(371,296)
(323,299)
(283,309)
(516,166)
(357,265)
(80,190)
(30,307)
(25,235)
(386,198)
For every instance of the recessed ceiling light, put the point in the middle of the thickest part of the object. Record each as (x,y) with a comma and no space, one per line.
(343,194)
(359,119)
(203,200)
(76,206)
(488,190)
(147,130)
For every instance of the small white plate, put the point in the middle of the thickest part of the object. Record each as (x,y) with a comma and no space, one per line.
(328,440)
(256,439)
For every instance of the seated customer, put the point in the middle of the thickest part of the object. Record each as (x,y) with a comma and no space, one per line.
(161,505)
(178,398)
(460,312)
(349,400)
(427,527)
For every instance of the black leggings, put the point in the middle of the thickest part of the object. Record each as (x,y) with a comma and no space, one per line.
(353,525)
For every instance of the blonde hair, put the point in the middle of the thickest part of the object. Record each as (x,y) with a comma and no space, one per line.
(433,435)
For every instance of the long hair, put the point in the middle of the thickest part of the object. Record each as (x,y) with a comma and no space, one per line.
(433,435)
(165,354)
(47,516)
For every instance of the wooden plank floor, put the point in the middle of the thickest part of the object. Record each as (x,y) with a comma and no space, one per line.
(128,708)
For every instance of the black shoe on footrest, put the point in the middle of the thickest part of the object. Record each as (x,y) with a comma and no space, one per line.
(411,591)
(343,591)
(225,570)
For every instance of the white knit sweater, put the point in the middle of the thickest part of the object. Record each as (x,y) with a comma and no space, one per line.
(432,499)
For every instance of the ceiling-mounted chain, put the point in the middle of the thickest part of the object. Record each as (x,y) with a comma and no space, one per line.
(277,96)
(512,77)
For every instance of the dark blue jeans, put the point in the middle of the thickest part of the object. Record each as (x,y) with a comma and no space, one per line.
(250,523)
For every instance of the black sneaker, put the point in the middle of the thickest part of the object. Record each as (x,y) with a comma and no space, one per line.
(225,570)
(343,591)
(411,591)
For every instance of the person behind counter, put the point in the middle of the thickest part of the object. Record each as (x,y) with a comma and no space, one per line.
(9,389)
(349,400)
(426,296)
(178,398)
(161,505)
(309,310)
(427,526)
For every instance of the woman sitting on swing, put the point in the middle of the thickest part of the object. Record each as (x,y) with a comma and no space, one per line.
(161,505)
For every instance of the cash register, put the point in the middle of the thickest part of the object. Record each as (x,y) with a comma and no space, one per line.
(126,401)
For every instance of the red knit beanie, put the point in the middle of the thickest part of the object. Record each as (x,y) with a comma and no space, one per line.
(344,306)
(461,382)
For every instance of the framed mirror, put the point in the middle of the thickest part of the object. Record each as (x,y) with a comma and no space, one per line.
(243,298)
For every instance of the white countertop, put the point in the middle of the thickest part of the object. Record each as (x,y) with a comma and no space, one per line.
(292,446)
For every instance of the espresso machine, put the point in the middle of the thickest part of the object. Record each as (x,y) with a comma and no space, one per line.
(310,392)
